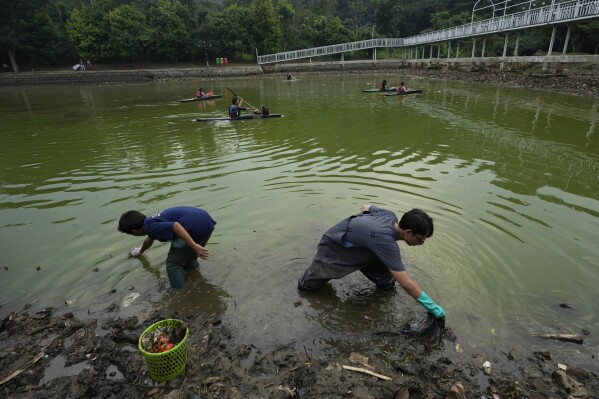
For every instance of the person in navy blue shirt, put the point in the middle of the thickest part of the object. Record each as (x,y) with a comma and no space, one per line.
(187,228)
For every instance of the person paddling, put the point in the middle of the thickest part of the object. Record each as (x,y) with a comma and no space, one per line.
(383,86)
(236,108)
(200,93)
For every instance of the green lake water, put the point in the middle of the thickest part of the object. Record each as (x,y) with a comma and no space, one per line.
(510,177)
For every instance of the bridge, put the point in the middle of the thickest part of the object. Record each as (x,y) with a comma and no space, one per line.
(515,17)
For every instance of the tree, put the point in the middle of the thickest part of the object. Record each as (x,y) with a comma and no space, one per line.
(387,14)
(323,31)
(88,29)
(286,15)
(266,30)
(586,33)
(171,23)
(47,44)
(14,15)
(229,30)
(129,33)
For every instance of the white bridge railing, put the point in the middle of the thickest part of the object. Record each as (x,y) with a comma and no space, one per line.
(556,13)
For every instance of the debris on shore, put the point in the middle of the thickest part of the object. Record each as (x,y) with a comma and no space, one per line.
(47,355)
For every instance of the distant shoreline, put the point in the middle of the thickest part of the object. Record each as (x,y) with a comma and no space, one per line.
(583,80)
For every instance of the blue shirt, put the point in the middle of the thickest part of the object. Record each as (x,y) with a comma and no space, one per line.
(197,222)
(235,110)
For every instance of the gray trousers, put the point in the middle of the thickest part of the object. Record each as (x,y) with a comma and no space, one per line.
(181,257)
(333,261)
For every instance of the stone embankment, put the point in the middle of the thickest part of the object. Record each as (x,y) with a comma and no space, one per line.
(573,78)
(116,76)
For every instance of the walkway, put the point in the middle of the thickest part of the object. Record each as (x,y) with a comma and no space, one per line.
(565,12)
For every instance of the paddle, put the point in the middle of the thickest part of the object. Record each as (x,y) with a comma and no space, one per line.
(232,92)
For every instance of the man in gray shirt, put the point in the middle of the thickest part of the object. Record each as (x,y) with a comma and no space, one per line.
(368,242)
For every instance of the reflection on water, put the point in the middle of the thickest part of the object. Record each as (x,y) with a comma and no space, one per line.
(509,176)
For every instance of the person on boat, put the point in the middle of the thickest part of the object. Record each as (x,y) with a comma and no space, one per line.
(187,228)
(236,108)
(401,88)
(200,93)
(367,242)
(383,86)
(289,76)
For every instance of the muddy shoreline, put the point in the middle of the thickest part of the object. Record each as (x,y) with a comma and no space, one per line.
(60,355)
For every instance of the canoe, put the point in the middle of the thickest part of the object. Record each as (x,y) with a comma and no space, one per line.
(239,118)
(379,90)
(404,93)
(187,100)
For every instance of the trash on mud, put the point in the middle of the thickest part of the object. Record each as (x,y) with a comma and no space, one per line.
(360,360)
(163,338)
(291,392)
(428,324)
(457,391)
(128,300)
(403,393)
(577,339)
(487,367)
(574,388)
(361,370)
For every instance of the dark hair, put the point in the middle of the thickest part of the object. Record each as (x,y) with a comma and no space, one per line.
(234,100)
(131,220)
(402,83)
(417,221)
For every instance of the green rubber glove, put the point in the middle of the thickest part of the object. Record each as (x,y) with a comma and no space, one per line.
(431,306)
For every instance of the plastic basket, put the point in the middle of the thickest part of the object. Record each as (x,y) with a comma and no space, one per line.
(167,365)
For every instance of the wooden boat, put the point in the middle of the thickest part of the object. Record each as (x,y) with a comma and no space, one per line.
(212,97)
(404,93)
(379,90)
(239,118)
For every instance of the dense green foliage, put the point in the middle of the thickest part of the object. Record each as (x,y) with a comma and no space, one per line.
(61,32)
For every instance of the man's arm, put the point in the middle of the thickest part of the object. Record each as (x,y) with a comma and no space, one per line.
(146,244)
(413,289)
(410,286)
(184,235)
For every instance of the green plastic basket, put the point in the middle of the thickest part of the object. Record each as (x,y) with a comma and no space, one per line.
(167,365)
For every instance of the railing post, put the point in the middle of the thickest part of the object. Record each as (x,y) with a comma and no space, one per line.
(517,43)
(484,45)
(502,65)
(567,39)
(552,40)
